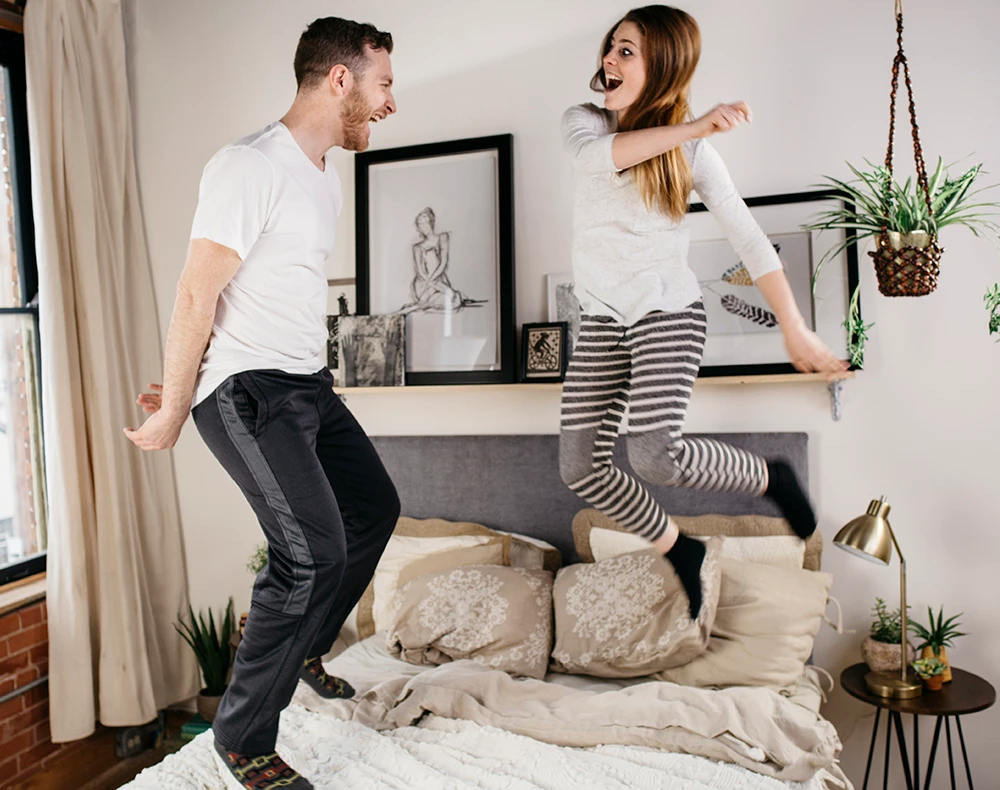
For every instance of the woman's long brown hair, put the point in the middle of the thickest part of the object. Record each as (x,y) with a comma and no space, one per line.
(671,48)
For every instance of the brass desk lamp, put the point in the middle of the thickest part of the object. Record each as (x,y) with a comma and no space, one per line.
(871,537)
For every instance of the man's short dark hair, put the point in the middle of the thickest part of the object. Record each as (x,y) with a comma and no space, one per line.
(332,41)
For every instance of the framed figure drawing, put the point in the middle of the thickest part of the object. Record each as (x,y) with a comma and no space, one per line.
(743,334)
(435,244)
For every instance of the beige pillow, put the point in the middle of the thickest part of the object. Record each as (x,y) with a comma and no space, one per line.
(765,625)
(741,527)
(525,552)
(628,616)
(437,553)
(499,617)
(786,551)
(533,554)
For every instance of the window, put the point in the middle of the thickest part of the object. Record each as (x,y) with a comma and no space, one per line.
(23,535)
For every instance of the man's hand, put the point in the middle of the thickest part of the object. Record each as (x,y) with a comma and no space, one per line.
(151,401)
(161,430)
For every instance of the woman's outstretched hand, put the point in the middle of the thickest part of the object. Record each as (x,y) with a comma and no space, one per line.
(809,354)
(722,118)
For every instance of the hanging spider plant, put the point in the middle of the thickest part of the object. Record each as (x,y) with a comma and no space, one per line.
(857,331)
(875,200)
(992,300)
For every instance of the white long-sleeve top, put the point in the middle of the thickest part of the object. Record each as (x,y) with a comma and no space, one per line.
(629,261)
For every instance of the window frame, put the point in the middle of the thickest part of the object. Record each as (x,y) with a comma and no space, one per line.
(12,58)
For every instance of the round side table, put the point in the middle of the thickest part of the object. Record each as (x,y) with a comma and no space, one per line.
(967,693)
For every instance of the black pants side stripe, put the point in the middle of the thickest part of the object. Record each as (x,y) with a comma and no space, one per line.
(246,445)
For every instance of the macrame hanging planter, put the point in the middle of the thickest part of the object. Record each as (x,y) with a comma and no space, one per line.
(905,264)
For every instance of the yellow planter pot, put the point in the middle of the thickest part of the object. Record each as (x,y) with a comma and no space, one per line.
(928,652)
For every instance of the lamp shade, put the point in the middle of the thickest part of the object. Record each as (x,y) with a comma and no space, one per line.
(868,536)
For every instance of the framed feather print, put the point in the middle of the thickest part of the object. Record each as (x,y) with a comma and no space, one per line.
(744,337)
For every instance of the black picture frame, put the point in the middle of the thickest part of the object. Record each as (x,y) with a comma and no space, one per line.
(504,372)
(561,349)
(848,262)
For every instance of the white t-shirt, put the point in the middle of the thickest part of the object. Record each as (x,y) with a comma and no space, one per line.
(628,260)
(265,199)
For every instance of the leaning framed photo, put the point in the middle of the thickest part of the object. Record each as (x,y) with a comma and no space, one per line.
(370,350)
(544,352)
(435,243)
(564,305)
(744,337)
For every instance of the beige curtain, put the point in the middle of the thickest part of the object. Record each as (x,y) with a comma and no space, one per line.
(116,573)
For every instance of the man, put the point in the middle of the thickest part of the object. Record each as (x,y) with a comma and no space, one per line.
(245,350)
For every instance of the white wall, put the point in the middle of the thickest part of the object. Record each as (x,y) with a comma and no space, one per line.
(919,424)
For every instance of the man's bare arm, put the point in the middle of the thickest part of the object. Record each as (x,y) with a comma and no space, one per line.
(208,270)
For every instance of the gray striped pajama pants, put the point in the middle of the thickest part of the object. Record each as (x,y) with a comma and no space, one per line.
(648,368)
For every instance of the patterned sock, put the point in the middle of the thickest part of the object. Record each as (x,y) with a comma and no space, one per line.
(783,487)
(262,772)
(327,686)
(687,556)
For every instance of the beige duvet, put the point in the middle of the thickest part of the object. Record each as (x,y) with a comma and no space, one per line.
(756,728)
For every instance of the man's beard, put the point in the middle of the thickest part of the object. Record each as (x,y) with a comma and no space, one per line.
(354,116)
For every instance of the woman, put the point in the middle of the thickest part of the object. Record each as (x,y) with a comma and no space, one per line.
(643,328)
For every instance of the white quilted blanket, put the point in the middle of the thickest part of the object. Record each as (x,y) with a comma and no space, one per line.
(446,754)
(317,737)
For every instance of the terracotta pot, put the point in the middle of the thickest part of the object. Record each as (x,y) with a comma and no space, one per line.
(207,706)
(928,652)
(883,657)
(934,683)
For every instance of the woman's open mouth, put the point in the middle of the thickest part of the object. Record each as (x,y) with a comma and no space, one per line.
(612,82)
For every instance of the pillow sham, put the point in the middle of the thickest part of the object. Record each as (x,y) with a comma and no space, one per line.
(765,626)
(628,616)
(786,551)
(736,528)
(497,616)
(429,554)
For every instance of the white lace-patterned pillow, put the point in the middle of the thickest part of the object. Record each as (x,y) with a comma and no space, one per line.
(496,616)
(628,616)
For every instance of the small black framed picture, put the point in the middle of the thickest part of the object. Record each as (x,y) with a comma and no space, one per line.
(544,352)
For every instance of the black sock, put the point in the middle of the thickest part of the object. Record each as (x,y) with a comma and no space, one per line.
(687,556)
(783,487)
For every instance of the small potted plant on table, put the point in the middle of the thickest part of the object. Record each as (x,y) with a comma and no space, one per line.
(931,671)
(938,636)
(881,648)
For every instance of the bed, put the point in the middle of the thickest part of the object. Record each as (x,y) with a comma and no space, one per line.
(456,722)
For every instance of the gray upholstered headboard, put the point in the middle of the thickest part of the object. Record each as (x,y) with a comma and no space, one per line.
(512,483)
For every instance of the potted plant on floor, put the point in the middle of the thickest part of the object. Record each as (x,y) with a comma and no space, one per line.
(255,565)
(938,636)
(258,560)
(931,671)
(214,654)
(881,648)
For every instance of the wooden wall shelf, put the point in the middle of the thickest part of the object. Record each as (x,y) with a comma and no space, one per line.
(783,378)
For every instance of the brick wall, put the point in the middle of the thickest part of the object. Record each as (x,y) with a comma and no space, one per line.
(25,745)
